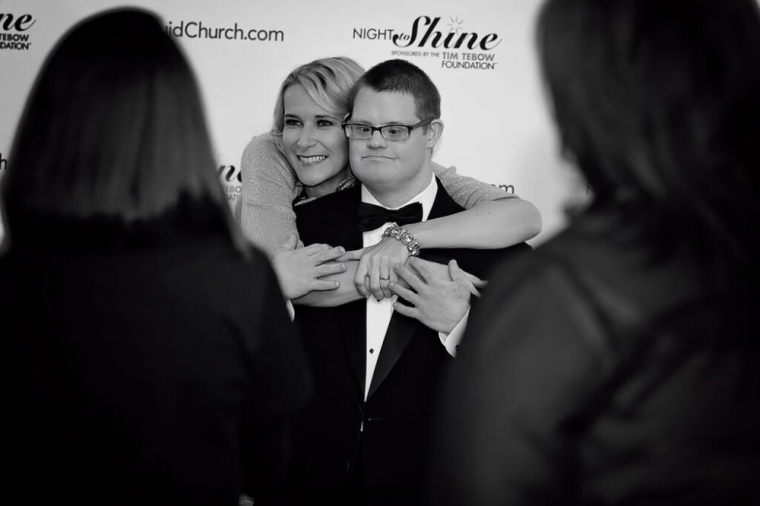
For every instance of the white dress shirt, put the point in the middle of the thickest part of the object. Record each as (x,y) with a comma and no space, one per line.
(379,312)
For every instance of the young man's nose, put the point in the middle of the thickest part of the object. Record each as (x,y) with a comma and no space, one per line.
(377,140)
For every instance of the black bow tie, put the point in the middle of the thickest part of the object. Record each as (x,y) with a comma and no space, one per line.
(372,217)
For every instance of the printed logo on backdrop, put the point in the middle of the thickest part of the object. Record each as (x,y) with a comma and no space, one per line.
(432,37)
(232,180)
(13,31)
(3,164)
(199,30)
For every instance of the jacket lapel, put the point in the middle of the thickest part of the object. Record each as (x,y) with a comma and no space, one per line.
(402,329)
(443,205)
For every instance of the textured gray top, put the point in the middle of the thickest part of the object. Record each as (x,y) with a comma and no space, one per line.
(265,210)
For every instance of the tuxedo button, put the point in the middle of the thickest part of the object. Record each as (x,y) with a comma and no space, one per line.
(348,466)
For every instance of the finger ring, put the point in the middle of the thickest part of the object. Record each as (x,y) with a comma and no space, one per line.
(385,278)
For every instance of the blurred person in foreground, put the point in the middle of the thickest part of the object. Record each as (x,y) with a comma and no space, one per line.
(147,353)
(619,363)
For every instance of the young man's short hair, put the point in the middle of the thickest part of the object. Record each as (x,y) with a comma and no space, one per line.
(400,76)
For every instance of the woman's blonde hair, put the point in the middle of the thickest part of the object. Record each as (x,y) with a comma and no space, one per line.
(327,81)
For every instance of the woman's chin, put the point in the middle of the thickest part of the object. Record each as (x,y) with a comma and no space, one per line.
(316,179)
(311,182)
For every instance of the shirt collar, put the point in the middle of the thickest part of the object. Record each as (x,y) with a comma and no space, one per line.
(426,197)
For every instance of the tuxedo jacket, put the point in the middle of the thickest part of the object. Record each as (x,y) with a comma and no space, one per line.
(395,417)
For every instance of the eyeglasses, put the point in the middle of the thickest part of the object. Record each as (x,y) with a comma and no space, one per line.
(394,133)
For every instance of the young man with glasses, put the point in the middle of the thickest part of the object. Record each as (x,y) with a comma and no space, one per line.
(364,439)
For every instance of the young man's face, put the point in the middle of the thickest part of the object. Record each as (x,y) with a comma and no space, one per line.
(388,166)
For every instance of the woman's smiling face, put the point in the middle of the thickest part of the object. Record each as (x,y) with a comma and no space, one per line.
(314,142)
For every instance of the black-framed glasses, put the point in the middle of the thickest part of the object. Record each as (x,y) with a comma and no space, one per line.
(393,133)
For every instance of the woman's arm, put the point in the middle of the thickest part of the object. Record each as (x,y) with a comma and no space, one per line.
(493,217)
(269,187)
(488,225)
(267,219)
(344,293)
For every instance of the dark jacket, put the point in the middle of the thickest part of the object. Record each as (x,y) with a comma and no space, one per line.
(595,374)
(142,365)
(396,415)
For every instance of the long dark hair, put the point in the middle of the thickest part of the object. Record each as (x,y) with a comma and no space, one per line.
(114,128)
(658,103)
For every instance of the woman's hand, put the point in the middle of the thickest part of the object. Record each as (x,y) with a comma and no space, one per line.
(375,272)
(299,269)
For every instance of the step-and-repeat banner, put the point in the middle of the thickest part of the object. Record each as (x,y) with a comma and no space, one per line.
(480,53)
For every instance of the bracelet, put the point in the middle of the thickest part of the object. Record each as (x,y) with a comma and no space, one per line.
(401,234)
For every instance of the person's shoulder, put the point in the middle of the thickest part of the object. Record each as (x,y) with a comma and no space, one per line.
(236,280)
(339,201)
(548,265)
(265,140)
(444,203)
(264,146)
(534,301)
(580,272)
(624,275)
(229,261)
(330,219)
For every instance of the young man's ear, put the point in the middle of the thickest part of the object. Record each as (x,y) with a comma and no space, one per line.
(434,132)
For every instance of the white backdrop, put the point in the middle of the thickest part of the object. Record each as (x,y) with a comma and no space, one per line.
(497,126)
